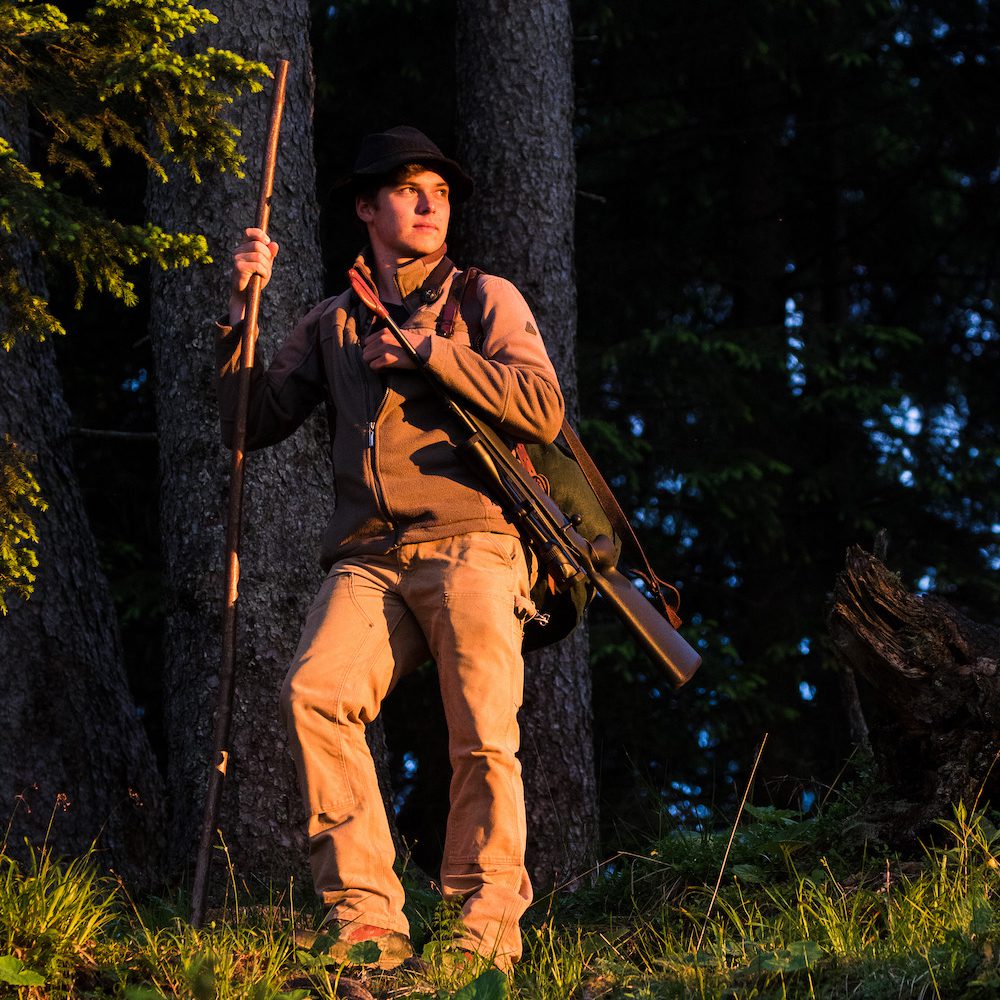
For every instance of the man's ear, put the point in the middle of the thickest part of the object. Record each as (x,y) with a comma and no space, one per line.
(364,208)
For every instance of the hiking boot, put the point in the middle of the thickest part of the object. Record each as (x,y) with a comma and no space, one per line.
(350,944)
(453,962)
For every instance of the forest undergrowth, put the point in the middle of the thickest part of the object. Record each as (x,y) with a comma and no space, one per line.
(805,907)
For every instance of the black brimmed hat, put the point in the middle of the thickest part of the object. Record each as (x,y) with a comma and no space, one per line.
(383,152)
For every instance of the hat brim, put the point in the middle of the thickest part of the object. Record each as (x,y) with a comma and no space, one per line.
(460,184)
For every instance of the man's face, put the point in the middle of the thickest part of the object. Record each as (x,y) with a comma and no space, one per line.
(408,219)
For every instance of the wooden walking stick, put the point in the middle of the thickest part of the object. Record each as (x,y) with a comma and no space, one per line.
(224,709)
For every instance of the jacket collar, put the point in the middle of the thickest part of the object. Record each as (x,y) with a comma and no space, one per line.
(416,281)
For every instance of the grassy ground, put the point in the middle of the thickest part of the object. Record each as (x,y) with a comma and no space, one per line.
(799,912)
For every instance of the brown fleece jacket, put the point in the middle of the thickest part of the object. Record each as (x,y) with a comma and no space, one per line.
(398,477)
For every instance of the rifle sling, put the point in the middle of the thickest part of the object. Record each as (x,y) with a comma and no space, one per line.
(621,523)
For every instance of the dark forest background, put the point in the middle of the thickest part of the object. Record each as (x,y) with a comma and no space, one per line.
(787,275)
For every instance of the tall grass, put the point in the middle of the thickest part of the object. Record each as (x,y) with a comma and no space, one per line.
(52,916)
(786,924)
(67,931)
(797,914)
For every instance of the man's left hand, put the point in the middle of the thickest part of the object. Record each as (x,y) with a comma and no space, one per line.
(382,350)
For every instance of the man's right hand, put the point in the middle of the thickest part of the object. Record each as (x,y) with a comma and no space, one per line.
(254,256)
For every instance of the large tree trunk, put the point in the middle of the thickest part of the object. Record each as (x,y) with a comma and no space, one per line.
(289,487)
(72,741)
(935,679)
(515,117)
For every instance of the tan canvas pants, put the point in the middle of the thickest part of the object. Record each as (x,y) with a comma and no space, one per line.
(463,599)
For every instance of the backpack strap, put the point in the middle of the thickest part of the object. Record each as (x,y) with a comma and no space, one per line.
(456,299)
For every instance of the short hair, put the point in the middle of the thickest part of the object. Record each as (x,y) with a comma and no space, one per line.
(367,188)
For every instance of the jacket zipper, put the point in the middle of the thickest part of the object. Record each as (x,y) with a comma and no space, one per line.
(380,502)
(383,506)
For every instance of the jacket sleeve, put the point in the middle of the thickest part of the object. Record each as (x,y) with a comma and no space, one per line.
(512,382)
(282,396)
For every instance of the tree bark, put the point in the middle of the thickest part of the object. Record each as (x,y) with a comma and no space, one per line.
(74,752)
(515,114)
(288,488)
(935,675)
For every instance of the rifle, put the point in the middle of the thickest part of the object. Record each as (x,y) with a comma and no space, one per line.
(564,553)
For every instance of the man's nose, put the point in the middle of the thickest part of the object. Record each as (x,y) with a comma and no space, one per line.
(424,204)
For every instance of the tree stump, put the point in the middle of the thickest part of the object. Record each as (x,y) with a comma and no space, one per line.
(931,696)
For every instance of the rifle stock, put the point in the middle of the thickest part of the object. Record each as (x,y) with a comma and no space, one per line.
(662,642)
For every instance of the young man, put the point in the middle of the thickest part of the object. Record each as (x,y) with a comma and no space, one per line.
(421,561)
